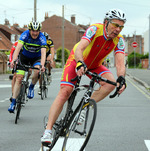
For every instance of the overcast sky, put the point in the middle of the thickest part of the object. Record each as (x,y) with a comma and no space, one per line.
(86,11)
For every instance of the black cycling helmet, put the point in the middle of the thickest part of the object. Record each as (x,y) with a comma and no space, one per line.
(115,14)
(46,35)
(34,25)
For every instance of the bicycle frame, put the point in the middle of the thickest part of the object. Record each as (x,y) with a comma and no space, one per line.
(83,101)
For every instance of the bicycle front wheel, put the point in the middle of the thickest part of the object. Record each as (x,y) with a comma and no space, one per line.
(77,136)
(20,99)
(42,86)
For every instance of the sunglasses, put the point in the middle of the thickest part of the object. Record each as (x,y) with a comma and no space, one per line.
(117,25)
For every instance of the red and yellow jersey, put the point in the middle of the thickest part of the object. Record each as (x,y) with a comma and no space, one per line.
(99,47)
(12,51)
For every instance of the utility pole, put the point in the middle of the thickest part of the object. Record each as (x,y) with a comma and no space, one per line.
(63,62)
(134,50)
(149,45)
(35,16)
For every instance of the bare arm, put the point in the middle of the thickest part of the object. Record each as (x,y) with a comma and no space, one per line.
(79,54)
(120,64)
(80,48)
(43,57)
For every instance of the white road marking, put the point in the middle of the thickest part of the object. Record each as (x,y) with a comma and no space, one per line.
(147,142)
(59,144)
(1,101)
(5,86)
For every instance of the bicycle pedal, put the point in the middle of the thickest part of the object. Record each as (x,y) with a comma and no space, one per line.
(46,144)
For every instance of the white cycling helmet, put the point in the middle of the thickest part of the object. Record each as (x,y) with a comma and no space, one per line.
(115,14)
(34,25)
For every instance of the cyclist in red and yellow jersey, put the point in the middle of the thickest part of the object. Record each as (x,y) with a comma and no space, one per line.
(97,43)
(12,51)
(10,60)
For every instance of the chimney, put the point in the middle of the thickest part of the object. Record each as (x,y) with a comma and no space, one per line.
(73,19)
(46,15)
(7,22)
(25,26)
(16,25)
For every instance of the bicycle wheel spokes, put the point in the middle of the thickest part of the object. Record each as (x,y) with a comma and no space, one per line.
(78,135)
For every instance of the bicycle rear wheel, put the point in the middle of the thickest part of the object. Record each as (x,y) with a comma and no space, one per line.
(77,136)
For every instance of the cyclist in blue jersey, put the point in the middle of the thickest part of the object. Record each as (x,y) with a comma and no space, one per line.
(32,42)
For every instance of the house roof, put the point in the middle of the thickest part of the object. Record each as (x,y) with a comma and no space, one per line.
(47,23)
(5,43)
(7,29)
(17,29)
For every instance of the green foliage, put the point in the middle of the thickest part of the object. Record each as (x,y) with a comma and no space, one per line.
(7,52)
(59,54)
(146,56)
(138,58)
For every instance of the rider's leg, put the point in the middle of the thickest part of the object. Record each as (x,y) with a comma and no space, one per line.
(17,85)
(16,91)
(105,88)
(33,82)
(13,82)
(48,64)
(64,93)
(55,111)
(57,105)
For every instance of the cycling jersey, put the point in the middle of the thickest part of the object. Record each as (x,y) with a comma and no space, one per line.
(50,44)
(12,51)
(94,54)
(32,47)
(100,46)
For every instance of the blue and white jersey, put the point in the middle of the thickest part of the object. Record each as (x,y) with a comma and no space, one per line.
(32,47)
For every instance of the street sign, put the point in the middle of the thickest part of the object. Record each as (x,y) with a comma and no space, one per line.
(134,44)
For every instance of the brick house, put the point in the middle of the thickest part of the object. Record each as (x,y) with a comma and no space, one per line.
(5,43)
(72,32)
(9,34)
(140,41)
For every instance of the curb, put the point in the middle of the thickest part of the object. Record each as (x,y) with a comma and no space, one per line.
(139,81)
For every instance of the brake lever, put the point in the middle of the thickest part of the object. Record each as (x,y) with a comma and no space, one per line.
(116,92)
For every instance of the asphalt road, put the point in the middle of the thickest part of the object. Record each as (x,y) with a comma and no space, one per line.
(122,123)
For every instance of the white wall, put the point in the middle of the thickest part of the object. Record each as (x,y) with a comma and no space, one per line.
(146,41)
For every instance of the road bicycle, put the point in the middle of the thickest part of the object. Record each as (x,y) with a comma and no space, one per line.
(77,136)
(22,97)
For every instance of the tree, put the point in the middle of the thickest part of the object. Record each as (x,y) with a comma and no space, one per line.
(59,54)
